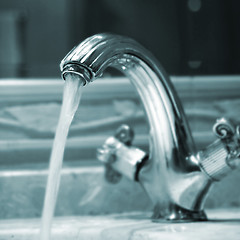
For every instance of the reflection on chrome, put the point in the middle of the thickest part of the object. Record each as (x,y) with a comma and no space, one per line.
(174,175)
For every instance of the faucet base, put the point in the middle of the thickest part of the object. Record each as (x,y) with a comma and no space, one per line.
(176,214)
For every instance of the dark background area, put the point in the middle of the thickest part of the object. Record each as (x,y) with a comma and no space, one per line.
(189,37)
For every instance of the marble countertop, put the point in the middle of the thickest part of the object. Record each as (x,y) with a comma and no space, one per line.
(222,224)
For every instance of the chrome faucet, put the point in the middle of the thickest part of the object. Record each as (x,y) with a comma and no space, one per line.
(175,176)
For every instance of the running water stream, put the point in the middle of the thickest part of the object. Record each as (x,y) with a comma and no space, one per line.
(71,98)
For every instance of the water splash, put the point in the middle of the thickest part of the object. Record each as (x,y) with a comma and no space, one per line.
(71,98)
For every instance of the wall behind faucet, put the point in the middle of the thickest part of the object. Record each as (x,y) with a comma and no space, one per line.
(189,37)
(41,34)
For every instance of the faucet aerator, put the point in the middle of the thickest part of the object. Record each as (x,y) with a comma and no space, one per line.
(75,69)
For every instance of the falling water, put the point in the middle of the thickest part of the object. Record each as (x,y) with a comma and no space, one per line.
(71,98)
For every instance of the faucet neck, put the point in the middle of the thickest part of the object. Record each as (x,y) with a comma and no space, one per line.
(100,51)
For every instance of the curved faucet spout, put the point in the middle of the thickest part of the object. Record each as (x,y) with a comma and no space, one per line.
(173,180)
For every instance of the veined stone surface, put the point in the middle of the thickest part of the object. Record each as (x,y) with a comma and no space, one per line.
(223,224)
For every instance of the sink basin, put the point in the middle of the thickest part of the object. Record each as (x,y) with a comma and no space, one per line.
(222,224)
(84,191)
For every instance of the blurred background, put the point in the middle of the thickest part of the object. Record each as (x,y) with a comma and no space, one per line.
(188,36)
